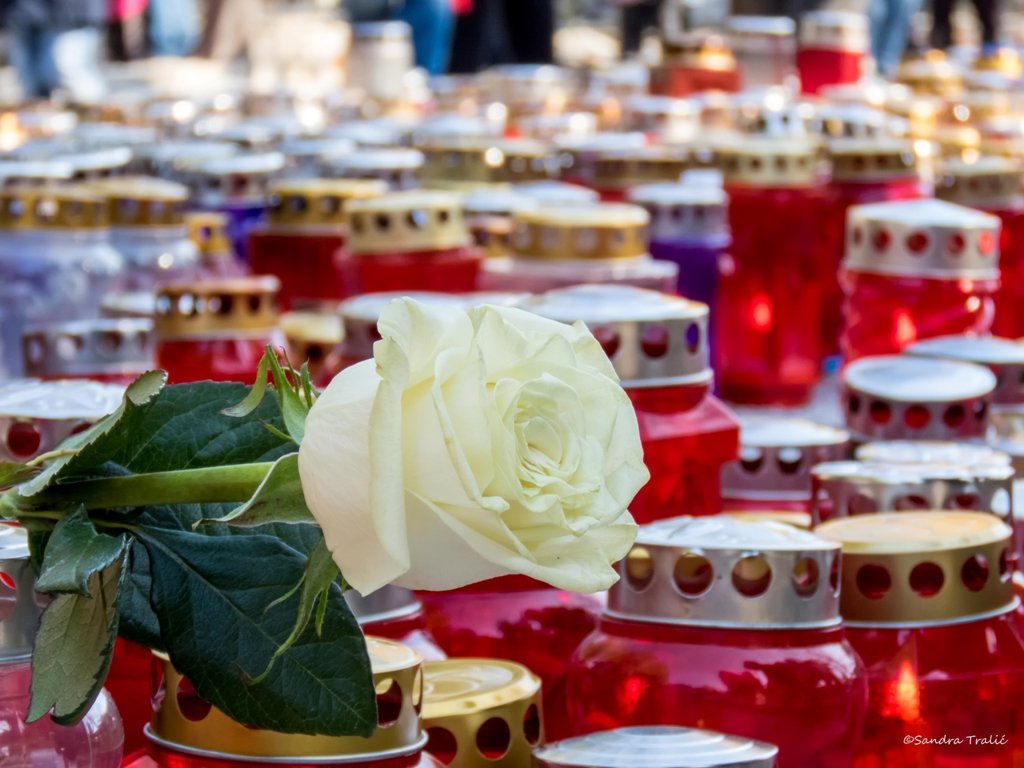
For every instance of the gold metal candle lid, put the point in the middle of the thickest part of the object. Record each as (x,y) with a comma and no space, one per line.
(69,206)
(1005,61)
(769,162)
(1004,357)
(990,182)
(209,231)
(311,202)
(878,159)
(626,168)
(912,569)
(776,456)
(229,307)
(185,723)
(311,337)
(481,712)
(801,520)
(454,164)
(406,221)
(142,201)
(931,73)
(922,238)
(600,231)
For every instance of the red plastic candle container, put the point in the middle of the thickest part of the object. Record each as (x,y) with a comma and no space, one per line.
(411,241)
(771,349)
(186,732)
(994,185)
(692,63)
(765,49)
(659,347)
(216,329)
(114,351)
(864,170)
(395,614)
(773,472)
(565,245)
(301,243)
(913,270)
(894,397)
(928,602)
(1004,357)
(731,625)
(655,746)
(36,416)
(833,45)
(848,488)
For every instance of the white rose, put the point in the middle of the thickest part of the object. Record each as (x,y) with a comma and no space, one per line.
(476,444)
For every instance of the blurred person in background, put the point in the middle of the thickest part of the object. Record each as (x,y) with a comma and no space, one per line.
(890,31)
(988,18)
(490,32)
(126,30)
(173,27)
(230,25)
(432,22)
(637,16)
(56,44)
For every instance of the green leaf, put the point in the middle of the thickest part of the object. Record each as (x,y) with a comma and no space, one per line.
(74,647)
(279,499)
(137,620)
(12,473)
(317,579)
(211,594)
(293,409)
(76,550)
(259,388)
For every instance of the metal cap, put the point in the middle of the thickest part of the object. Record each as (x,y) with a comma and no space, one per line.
(70,206)
(776,456)
(988,183)
(836,120)
(453,164)
(670,118)
(622,169)
(217,308)
(931,452)
(317,202)
(556,193)
(923,568)
(395,165)
(186,723)
(385,604)
(89,348)
(922,238)
(406,221)
(142,201)
(657,746)
(20,606)
(237,177)
(893,397)
(489,709)
(1004,357)
(576,232)
(209,231)
(769,162)
(834,31)
(652,339)
(846,488)
(869,160)
(722,572)
(683,212)
(930,74)
(758,34)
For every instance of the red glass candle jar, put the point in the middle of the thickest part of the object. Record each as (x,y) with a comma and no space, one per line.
(397,166)
(36,416)
(864,170)
(560,246)
(928,602)
(894,397)
(659,347)
(301,243)
(848,488)
(771,348)
(481,713)
(773,472)
(730,625)
(395,614)
(913,270)
(209,231)
(833,45)
(765,49)
(411,241)
(186,732)
(654,746)
(1004,357)
(216,329)
(692,63)
(115,351)
(461,164)
(994,185)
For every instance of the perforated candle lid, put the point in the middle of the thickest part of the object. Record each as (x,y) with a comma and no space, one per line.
(406,221)
(570,232)
(628,167)
(834,31)
(920,568)
(89,348)
(142,201)
(19,609)
(872,159)
(657,746)
(65,400)
(988,182)
(1004,357)
(185,723)
(652,339)
(309,202)
(930,451)
(761,161)
(907,379)
(723,572)
(488,708)
(221,308)
(64,206)
(385,604)
(924,238)
(683,211)
(461,161)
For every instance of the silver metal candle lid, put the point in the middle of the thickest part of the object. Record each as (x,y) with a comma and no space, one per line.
(931,451)
(397,166)
(657,746)
(1004,357)
(652,339)
(683,211)
(20,606)
(922,238)
(722,572)
(386,604)
(236,177)
(892,397)
(89,348)
(846,488)
(776,456)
